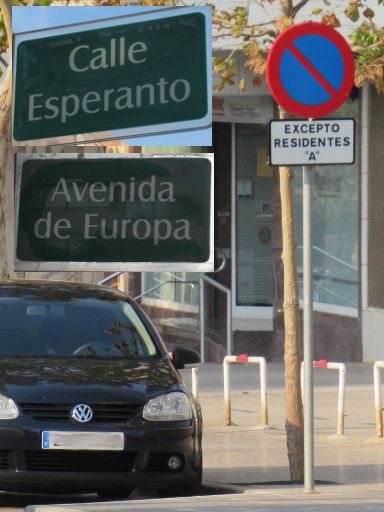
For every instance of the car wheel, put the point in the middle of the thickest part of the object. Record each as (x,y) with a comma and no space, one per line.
(120,494)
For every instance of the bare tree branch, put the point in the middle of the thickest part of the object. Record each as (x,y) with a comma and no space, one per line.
(222,35)
(3,62)
(286,7)
(299,6)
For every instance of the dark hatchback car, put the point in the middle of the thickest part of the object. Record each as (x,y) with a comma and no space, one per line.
(90,400)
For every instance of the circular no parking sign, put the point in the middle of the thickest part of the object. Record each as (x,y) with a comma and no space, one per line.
(310,70)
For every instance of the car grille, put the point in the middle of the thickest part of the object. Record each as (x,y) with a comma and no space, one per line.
(5,460)
(101,412)
(79,461)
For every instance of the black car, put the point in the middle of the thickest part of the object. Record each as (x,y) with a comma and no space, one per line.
(90,399)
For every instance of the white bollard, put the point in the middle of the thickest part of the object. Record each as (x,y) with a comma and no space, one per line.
(244,358)
(323,363)
(377,387)
(227,398)
(195,381)
(195,377)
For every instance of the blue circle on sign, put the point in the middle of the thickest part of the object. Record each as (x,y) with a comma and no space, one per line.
(316,52)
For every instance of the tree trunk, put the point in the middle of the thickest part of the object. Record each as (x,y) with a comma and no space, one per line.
(6,188)
(6,155)
(293,405)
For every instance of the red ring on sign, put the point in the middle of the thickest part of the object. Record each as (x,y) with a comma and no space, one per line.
(273,70)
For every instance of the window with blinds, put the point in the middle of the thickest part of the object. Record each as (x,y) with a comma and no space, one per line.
(376,202)
(254,217)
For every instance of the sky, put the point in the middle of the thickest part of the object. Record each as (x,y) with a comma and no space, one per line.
(25,19)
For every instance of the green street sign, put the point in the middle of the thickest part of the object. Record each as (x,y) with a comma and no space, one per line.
(135,75)
(126,212)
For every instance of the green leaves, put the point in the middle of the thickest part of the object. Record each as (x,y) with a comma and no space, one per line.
(368,13)
(283,23)
(3,36)
(368,47)
(39,3)
(352,12)
(226,70)
(254,40)
(331,20)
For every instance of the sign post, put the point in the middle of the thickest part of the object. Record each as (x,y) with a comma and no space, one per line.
(309,481)
(310,73)
(133,75)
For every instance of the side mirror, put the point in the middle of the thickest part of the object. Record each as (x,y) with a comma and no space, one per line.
(185,357)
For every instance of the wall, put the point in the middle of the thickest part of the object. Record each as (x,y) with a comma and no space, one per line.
(373,230)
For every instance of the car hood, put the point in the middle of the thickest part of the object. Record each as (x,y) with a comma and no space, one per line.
(60,380)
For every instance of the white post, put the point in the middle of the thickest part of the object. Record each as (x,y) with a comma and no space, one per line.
(263,392)
(244,358)
(341,398)
(195,381)
(227,399)
(377,387)
(341,393)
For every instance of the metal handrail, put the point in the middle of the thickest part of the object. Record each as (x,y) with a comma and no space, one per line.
(157,286)
(205,279)
(327,290)
(332,257)
(109,278)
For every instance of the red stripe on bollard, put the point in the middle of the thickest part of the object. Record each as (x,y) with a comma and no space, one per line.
(242,358)
(322,363)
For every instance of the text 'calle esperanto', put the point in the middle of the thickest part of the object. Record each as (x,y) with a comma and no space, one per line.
(117,52)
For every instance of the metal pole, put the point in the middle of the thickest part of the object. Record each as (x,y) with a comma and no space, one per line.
(308,331)
(229,323)
(202,319)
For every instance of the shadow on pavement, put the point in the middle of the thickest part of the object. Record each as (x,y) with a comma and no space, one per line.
(343,474)
(23,500)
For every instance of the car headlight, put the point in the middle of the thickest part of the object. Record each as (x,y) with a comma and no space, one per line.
(170,407)
(8,408)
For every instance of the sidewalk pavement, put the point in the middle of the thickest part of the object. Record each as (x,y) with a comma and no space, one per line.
(244,455)
(242,458)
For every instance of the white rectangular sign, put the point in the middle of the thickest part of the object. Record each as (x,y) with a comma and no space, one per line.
(56,440)
(316,142)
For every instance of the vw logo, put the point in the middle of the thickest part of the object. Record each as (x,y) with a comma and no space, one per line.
(82,413)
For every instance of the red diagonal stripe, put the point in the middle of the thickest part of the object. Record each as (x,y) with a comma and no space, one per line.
(312,70)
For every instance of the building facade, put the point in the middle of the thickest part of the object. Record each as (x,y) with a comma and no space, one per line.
(348,237)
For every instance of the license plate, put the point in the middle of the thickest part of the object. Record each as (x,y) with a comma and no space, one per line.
(54,440)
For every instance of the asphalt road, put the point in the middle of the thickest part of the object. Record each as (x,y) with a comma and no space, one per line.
(291,500)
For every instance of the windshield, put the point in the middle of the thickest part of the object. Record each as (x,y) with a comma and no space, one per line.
(74,327)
